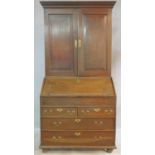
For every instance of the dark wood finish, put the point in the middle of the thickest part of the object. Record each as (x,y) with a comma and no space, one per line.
(78,100)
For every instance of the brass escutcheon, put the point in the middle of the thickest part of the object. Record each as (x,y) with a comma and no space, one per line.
(97,109)
(59,109)
(77,120)
(77,133)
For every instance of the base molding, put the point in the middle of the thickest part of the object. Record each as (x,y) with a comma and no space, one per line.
(108,149)
(77,147)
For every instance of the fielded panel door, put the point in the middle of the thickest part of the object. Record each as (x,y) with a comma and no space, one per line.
(94,44)
(60,33)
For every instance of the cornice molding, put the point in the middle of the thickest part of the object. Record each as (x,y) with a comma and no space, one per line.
(48,4)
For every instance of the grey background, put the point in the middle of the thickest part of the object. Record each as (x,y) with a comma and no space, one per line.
(39,60)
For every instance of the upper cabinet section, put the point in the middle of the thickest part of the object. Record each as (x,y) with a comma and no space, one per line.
(78,38)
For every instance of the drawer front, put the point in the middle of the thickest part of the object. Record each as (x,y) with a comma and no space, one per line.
(77,138)
(76,101)
(96,112)
(58,112)
(77,124)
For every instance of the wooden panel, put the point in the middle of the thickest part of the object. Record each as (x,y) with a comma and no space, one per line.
(58,112)
(77,124)
(61,33)
(93,54)
(85,138)
(96,112)
(84,86)
(77,101)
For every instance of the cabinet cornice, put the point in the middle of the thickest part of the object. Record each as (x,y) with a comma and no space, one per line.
(49,4)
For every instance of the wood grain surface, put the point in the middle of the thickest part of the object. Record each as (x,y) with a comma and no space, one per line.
(83,86)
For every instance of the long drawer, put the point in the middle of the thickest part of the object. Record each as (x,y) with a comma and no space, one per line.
(76,101)
(77,138)
(53,112)
(77,124)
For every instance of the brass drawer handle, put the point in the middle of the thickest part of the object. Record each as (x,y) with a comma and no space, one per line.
(59,109)
(77,133)
(68,111)
(77,120)
(99,137)
(83,111)
(102,138)
(98,122)
(97,109)
(111,110)
(57,123)
(56,137)
(45,110)
(106,110)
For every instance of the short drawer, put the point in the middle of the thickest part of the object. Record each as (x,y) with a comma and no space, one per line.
(77,124)
(96,112)
(58,112)
(77,138)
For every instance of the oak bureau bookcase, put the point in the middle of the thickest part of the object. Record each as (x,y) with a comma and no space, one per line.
(78,100)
